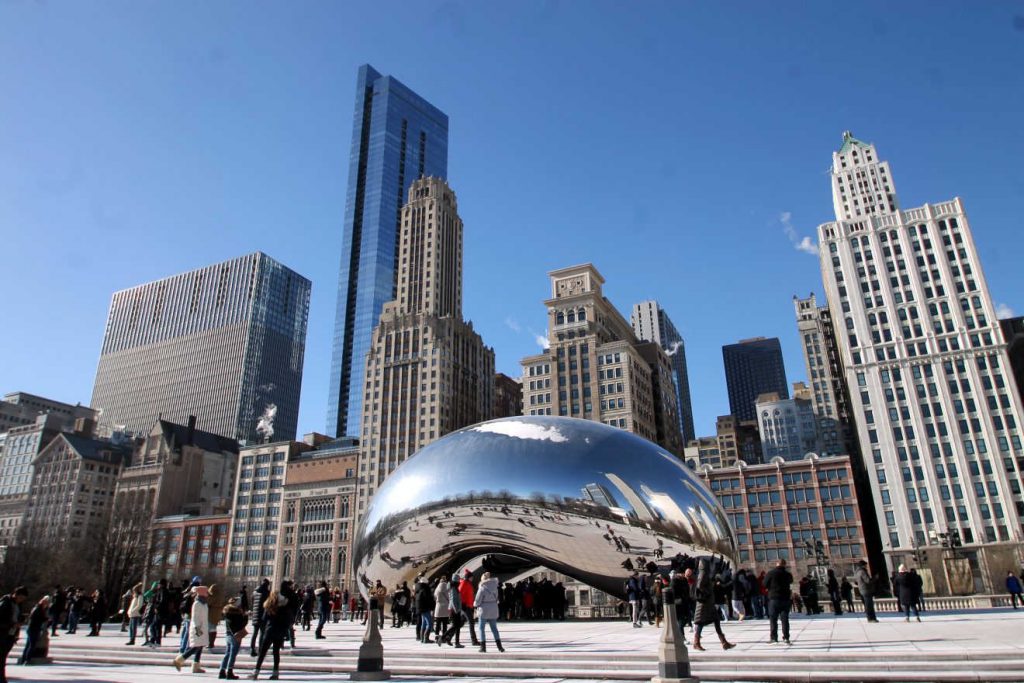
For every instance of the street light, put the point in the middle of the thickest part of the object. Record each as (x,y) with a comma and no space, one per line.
(949,540)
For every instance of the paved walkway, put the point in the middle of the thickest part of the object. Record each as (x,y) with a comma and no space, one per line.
(599,650)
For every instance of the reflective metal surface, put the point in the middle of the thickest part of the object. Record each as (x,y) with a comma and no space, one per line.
(575,496)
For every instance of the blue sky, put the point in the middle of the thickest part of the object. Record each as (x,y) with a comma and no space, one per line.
(664,142)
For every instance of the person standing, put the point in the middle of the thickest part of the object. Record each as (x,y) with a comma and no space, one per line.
(833,593)
(779,584)
(1013,587)
(455,610)
(10,625)
(487,610)
(707,610)
(259,595)
(57,606)
(740,592)
(135,607)
(681,598)
(467,595)
(323,600)
(378,594)
(866,586)
(846,589)
(98,615)
(634,591)
(198,630)
(277,621)
(442,607)
(234,632)
(36,624)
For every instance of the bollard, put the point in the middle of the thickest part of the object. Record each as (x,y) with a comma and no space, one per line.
(370,666)
(673,658)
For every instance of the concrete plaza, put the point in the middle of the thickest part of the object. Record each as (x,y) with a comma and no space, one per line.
(946,646)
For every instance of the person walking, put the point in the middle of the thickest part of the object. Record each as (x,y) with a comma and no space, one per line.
(681,597)
(866,586)
(57,606)
(455,610)
(442,608)
(634,590)
(234,633)
(36,624)
(846,589)
(487,610)
(1013,587)
(323,601)
(467,596)
(905,587)
(135,608)
(198,630)
(424,609)
(740,593)
(277,620)
(833,593)
(707,611)
(779,584)
(10,625)
(259,596)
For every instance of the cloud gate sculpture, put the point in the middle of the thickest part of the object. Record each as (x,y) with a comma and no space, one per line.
(575,496)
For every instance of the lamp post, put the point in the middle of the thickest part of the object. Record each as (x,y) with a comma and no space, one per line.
(949,540)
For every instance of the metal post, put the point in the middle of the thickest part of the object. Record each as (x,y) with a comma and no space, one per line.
(673,657)
(370,666)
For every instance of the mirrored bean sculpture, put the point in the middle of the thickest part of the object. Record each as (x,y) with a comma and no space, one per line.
(575,496)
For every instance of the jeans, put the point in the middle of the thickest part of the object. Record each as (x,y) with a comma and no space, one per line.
(779,609)
(31,639)
(133,628)
(869,607)
(231,646)
(197,651)
(426,624)
(494,630)
(73,618)
(156,630)
(183,641)
(323,620)
(453,629)
(468,618)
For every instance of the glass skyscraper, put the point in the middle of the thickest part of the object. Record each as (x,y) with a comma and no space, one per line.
(651,323)
(753,367)
(225,343)
(397,137)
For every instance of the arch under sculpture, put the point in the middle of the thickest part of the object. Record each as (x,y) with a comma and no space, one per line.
(575,496)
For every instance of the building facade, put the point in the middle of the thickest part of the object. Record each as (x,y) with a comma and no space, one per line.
(189,545)
(224,343)
(738,440)
(782,509)
(508,396)
(428,372)
(18,409)
(938,419)
(397,137)
(703,451)
(788,427)
(651,323)
(319,515)
(596,368)
(753,367)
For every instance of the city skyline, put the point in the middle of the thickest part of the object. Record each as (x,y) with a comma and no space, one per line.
(66,186)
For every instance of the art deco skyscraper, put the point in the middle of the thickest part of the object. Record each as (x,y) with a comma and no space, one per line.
(651,323)
(397,137)
(427,372)
(222,343)
(938,420)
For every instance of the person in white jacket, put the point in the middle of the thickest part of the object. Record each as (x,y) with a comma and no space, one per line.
(487,610)
(198,630)
(135,609)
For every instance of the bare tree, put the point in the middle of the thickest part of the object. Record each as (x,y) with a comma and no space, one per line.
(122,547)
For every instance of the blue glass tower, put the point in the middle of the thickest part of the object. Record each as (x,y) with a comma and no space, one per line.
(397,136)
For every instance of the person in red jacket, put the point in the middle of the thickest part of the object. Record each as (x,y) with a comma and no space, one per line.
(466,594)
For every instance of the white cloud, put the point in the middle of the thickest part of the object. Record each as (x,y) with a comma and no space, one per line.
(1004,311)
(542,341)
(522,430)
(805,244)
(512,324)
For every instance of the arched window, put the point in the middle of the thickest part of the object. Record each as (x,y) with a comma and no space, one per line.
(582,316)
(559,318)
(571,317)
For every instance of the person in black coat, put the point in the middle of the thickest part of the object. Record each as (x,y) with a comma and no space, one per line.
(259,598)
(425,608)
(908,591)
(57,606)
(779,584)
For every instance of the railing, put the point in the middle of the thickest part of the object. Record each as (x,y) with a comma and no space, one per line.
(593,612)
(951,603)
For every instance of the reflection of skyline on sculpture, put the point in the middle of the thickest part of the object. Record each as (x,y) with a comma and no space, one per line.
(575,496)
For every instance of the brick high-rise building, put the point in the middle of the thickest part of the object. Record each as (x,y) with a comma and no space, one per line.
(428,372)
(937,415)
(596,368)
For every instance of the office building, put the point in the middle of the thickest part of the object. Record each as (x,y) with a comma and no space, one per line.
(427,372)
(189,545)
(704,450)
(788,426)
(651,323)
(596,368)
(508,396)
(783,509)
(753,367)
(937,414)
(397,137)
(18,409)
(738,440)
(224,343)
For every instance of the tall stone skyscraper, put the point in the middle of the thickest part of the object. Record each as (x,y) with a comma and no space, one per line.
(938,420)
(596,368)
(753,367)
(224,343)
(827,381)
(397,137)
(651,323)
(427,372)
